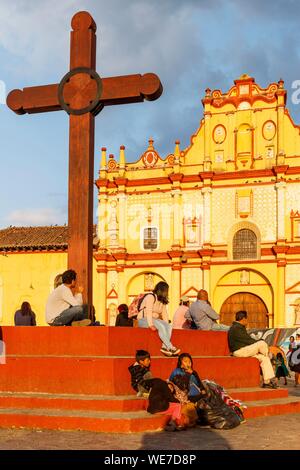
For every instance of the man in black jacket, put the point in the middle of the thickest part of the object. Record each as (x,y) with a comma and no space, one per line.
(242,345)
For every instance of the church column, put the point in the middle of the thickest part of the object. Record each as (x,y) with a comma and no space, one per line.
(175,288)
(206,252)
(280,250)
(102,203)
(279,316)
(230,137)
(101,293)
(122,288)
(281,94)
(207,131)
(122,203)
(177,219)
(102,220)
(280,201)
(207,196)
(206,277)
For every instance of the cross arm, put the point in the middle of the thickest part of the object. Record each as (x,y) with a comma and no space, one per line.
(37,99)
(116,90)
(130,89)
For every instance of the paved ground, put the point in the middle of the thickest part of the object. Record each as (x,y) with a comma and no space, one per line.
(270,433)
(278,432)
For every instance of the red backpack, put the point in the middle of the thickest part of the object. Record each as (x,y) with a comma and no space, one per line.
(135,306)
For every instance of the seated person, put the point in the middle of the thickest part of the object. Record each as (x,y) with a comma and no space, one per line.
(25,316)
(140,373)
(179,320)
(185,368)
(203,315)
(64,307)
(242,345)
(122,318)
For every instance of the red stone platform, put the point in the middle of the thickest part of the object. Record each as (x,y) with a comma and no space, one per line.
(77,378)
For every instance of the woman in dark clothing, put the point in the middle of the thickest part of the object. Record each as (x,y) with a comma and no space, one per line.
(25,316)
(122,318)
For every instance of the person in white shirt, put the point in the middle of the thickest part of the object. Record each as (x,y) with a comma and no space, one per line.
(65,305)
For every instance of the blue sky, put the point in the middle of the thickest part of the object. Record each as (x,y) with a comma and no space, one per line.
(190,44)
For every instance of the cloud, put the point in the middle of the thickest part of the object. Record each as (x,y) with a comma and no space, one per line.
(36,217)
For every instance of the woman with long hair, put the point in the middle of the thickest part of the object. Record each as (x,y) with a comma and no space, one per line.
(153,314)
(25,316)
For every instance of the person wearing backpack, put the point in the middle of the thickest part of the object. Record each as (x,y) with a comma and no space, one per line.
(153,314)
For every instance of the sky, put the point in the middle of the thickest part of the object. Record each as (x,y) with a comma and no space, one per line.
(189,44)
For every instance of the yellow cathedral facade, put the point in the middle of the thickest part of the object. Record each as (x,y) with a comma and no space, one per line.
(222,214)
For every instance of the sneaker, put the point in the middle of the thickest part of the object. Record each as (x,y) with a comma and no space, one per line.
(270,385)
(166,352)
(85,322)
(175,351)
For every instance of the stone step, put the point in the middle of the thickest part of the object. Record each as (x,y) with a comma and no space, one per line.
(276,406)
(138,421)
(115,403)
(121,422)
(110,376)
(106,341)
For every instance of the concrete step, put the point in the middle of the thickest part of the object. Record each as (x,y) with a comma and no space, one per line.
(121,422)
(106,341)
(138,421)
(110,376)
(124,403)
(276,406)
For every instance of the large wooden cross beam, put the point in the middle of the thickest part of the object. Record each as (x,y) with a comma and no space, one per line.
(83,94)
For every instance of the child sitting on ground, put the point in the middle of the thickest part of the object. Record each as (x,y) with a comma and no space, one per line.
(140,373)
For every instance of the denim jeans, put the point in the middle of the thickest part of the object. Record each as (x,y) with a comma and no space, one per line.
(164,330)
(79,312)
(219,327)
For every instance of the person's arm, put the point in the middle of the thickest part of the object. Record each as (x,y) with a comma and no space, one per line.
(242,336)
(71,299)
(33,319)
(188,316)
(148,310)
(117,320)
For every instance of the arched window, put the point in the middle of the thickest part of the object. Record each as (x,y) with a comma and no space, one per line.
(244,245)
(150,238)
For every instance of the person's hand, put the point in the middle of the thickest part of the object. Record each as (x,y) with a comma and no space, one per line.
(152,327)
(79,290)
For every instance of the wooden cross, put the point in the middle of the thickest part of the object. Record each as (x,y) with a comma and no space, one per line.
(83,94)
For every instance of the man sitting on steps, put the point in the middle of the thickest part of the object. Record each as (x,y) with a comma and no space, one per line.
(242,345)
(203,315)
(64,304)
